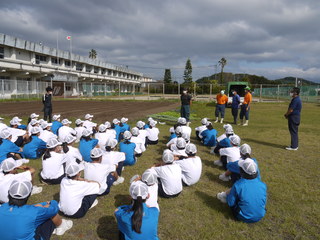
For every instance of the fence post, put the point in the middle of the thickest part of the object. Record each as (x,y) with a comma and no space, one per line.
(178,90)
(105,89)
(37,89)
(278,93)
(260,100)
(134,91)
(64,90)
(2,87)
(163,90)
(194,90)
(210,98)
(119,89)
(148,91)
(28,89)
(16,86)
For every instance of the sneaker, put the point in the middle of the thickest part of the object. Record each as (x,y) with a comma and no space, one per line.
(245,124)
(218,163)
(216,121)
(36,190)
(94,204)
(224,178)
(119,180)
(291,149)
(65,226)
(222,197)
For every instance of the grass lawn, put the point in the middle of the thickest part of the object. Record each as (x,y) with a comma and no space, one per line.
(291,176)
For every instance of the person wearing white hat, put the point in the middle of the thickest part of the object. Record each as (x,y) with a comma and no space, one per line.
(184,127)
(140,147)
(172,131)
(102,135)
(221,99)
(147,125)
(36,147)
(7,147)
(209,136)
(201,128)
(46,134)
(116,127)
(32,116)
(142,132)
(138,221)
(71,153)
(79,128)
(56,124)
(124,125)
(248,196)
(77,194)
(178,133)
(104,174)
(152,133)
(65,130)
(34,123)
(87,144)
(2,125)
(179,148)
(19,136)
(229,154)
(191,166)
(128,148)
(53,161)
(37,221)
(169,176)
(111,133)
(88,124)
(17,122)
(223,140)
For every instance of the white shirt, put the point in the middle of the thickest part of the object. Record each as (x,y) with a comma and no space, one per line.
(200,129)
(221,137)
(177,151)
(153,134)
(73,154)
(2,126)
(16,132)
(152,201)
(72,192)
(6,180)
(113,157)
(52,168)
(79,131)
(63,132)
(232,153)
(170,176)
(98,172)
(140,147)
(89,125)
(191,169)
(173,141)
(45,135)
(187,130)
(103,138)
(142,135)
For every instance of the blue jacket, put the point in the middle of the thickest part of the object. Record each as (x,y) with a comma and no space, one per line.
(22,126)
(85,148)
(30,150)
(209,137)
(149,227)
(7,147)
(117,128)
(173,135)
(21,222)
(249,197)
(125,127)
(128,149)
(55,126)
(235,101)
(225,143)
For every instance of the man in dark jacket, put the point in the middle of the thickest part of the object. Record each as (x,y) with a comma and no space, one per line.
(47,105)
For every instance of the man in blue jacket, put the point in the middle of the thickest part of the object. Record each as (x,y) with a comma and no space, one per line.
(235,106)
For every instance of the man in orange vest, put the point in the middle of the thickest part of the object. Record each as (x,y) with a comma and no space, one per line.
(245,108)
(222,99)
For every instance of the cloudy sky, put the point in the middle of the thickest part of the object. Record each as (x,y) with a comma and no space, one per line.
(274,38)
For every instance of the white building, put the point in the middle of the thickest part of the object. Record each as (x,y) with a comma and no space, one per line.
(28,68)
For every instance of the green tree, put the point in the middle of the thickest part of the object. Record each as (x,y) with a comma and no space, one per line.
(187,75)
(222,63)
(167,76)
(93,54)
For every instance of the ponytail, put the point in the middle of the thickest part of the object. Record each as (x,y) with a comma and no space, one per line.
(29,120)
(136,218)
(0,141)
(113,125)
(108,148)
(47,153)
(65,147)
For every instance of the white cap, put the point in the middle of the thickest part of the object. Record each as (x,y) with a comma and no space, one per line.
(86,132)
(41,121)
(226,126)
(5,133)
(102,128)
(78,121)
(70,138)
(107,124)
(16,118)
(1,118)
(34,122)
(222,92)
(150,119)
(20,188)
(14,122)
(53,142)
(208,123)
(249,166)
(127,135)
(45,124)
(153,123)
(181,143)
(149,177)
(229,130)
(171,130)
(138,189)
(204,121)
(140,124)
(56,117)
(185,136)
(245,148)
(111,142)
(235,140)
(135,131)
(167,156)
(123,120)
(191,149)
(34,115)
(88,116)
(96,152)
(115,121)
(178,130)
(73,169)
(35,130)
(182,120)
(9,164)
(65,121)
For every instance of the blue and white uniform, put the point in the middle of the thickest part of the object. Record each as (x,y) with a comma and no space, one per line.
(85,147)
(128,149)
(33,149)
(209,137)
(7,147)
(55,127)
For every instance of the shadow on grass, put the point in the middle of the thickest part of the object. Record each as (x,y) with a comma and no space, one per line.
(264,143)
(208,163)
(215,178)
(107,228)
(122,199)
(56,196)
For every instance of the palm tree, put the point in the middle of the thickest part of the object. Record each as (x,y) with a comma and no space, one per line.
(222,63)
(93,54)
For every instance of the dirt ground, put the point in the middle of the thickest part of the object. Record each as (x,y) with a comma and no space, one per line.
(102,110)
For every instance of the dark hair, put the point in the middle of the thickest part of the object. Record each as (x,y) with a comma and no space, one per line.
(113,125)
(245,156)
(108,148)
(180,148)
(229,135)
(49,89)
(210,127)
(96,159)
(246,175)
(18,202)
(121,124)
(88,138)
(65,147)
(47,153)
(296,90)
(136,219)
(127,141)
(191,154)
(29,120)
(1,141)
(150,126)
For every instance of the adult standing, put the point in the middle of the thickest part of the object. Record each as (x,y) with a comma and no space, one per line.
(222,99)
(245,108)
(235,106)
(47,105)
(293,116)
(185,105)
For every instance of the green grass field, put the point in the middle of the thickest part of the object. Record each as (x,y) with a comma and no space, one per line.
(291,176)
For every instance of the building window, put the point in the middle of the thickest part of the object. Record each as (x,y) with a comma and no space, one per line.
(40,59)
(1,52)
(96,70)
(67,63)
(79,67)
(88,69)
(55,61)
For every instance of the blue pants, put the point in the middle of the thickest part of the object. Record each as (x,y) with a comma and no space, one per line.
(87,201)
(45,230)
(185,112)
(293,125)
(220,108)
(110,180)
(234,112)
(244,112)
